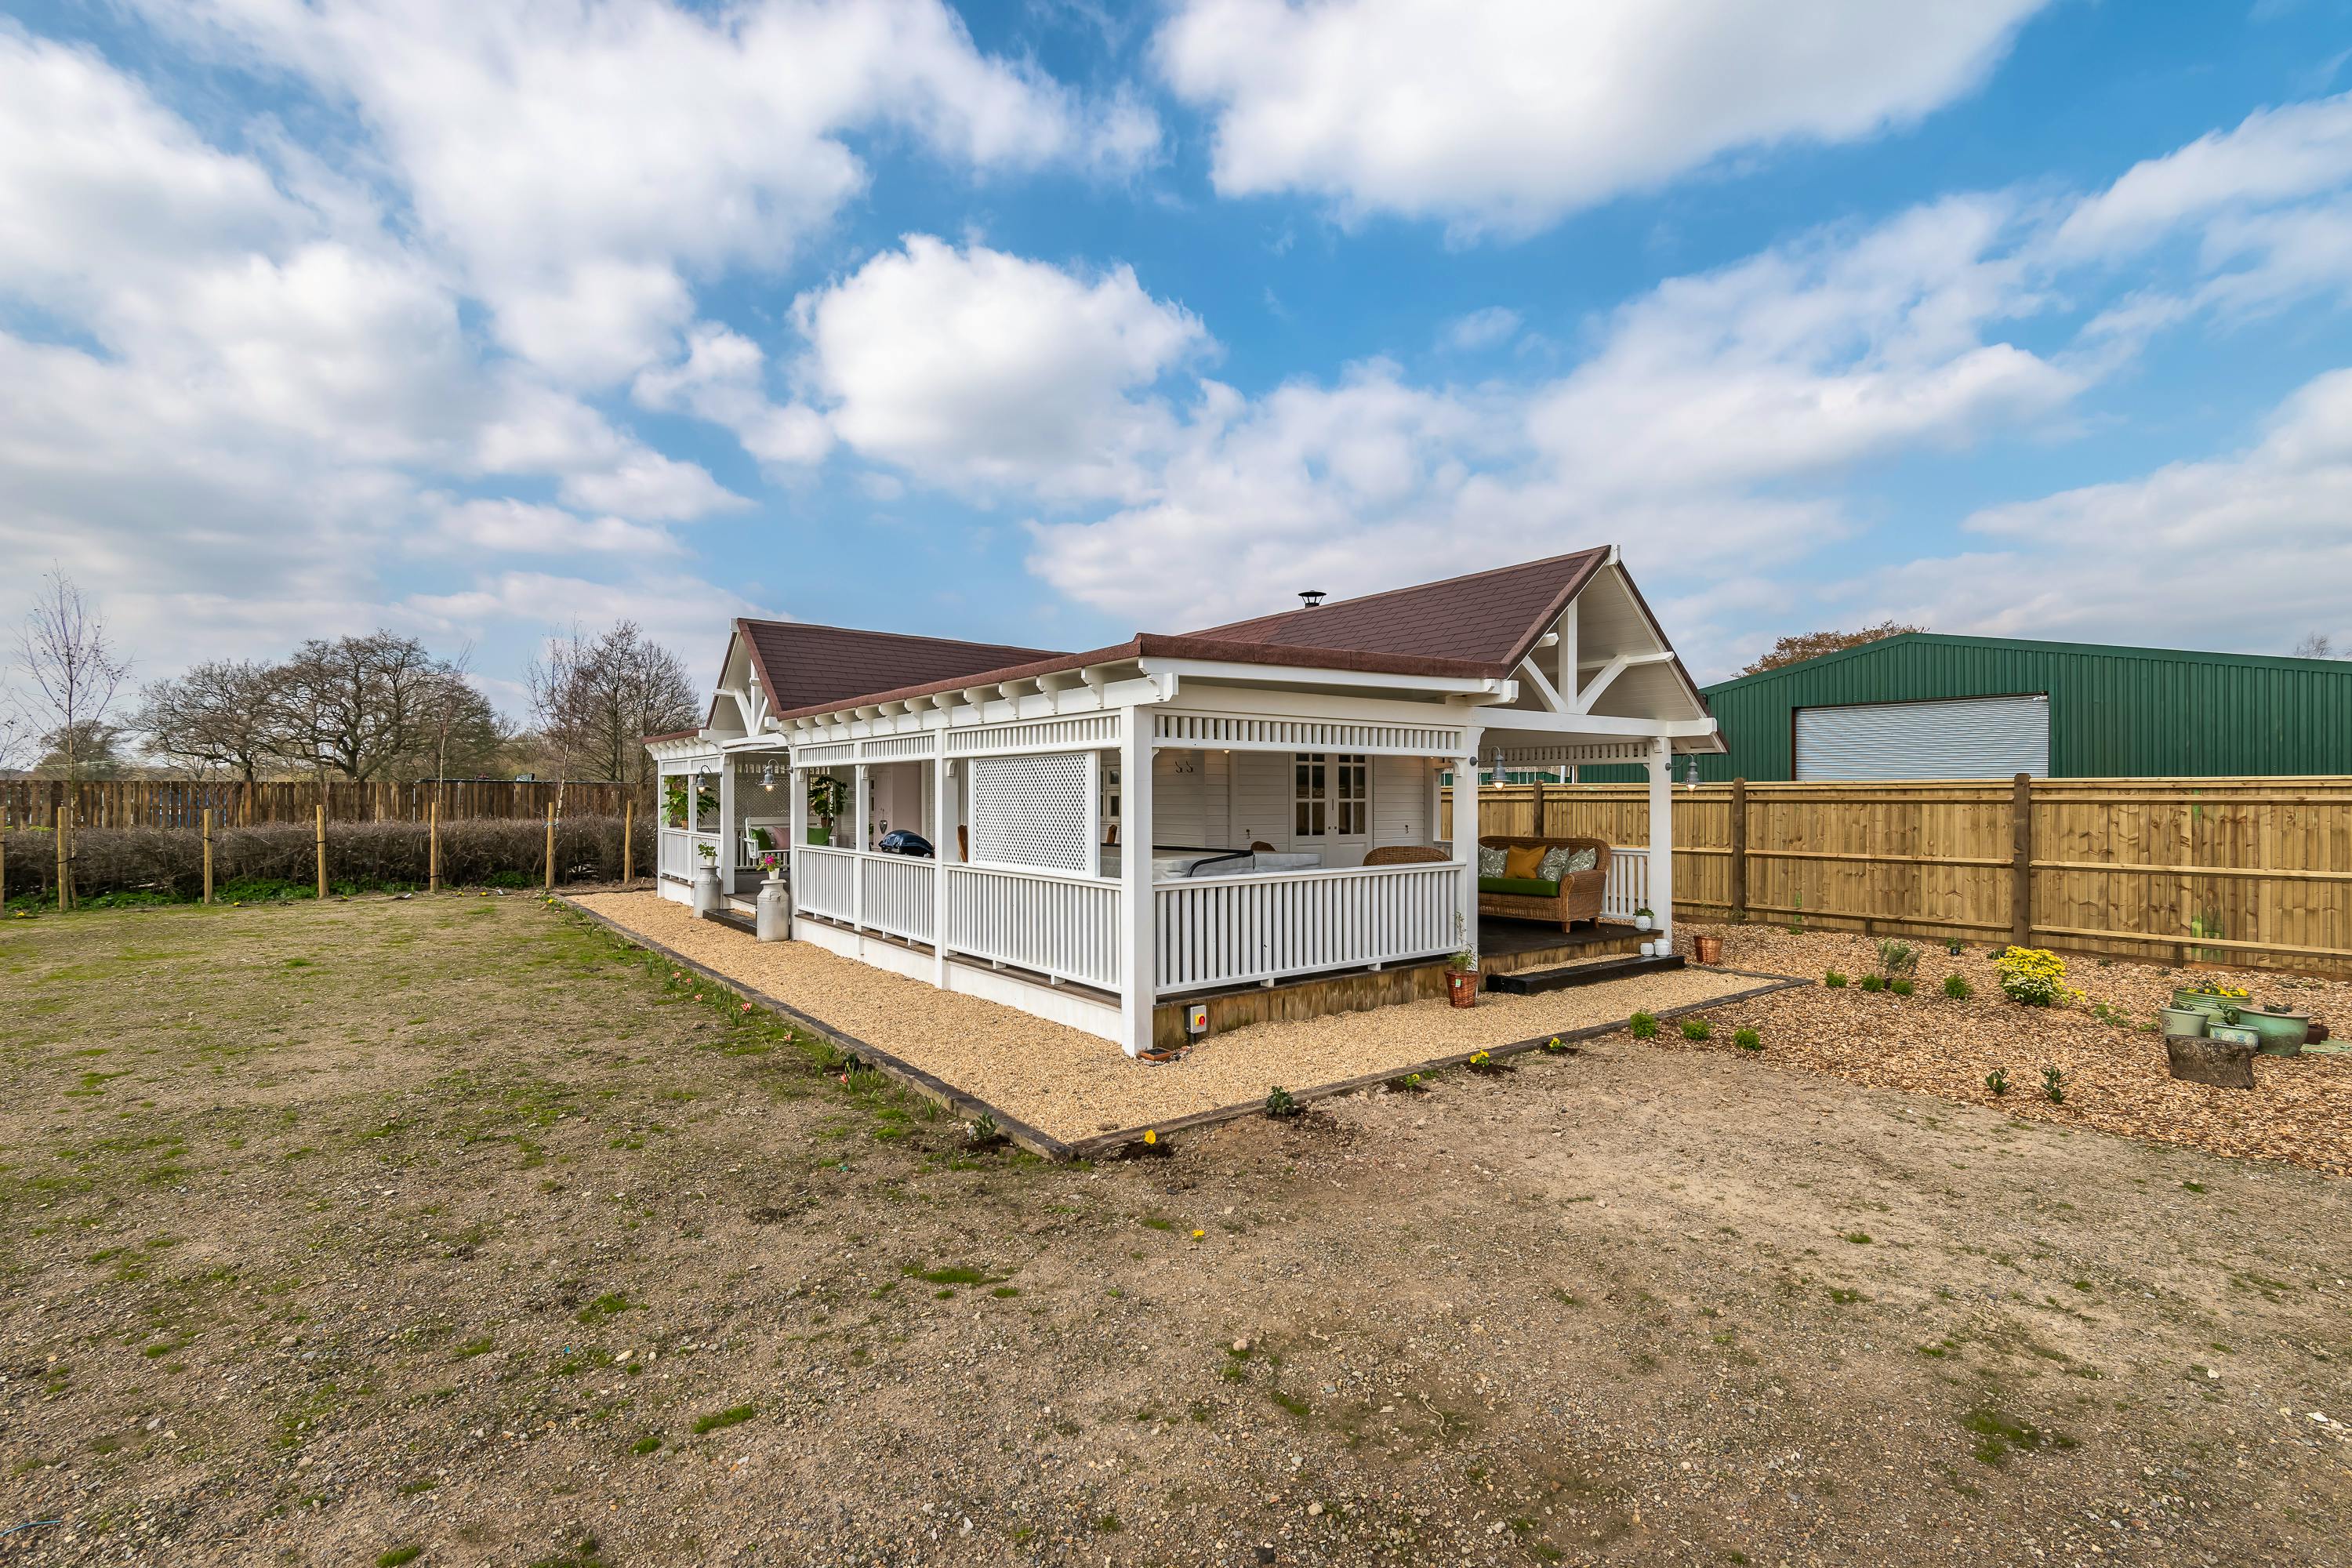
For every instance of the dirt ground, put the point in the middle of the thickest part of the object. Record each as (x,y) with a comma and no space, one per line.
(449,1231)
(1072,1085)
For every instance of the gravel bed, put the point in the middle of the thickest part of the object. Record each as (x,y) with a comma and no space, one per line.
(1074,1085)
(2115,1074)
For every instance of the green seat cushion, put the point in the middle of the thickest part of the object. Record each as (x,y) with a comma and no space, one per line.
(1522,887)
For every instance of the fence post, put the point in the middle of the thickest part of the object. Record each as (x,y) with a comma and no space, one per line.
(1739,849)
(433,848)
(208,855)
(551,846)
(2020,860)
(59,828)
(319,824)
(628,861)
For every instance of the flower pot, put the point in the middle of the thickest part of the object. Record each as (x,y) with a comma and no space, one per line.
(2183,997)
(706,890)
(2236,1035)
(1462,988)
(2185,1020)
(2283,1034)
(1640,922)
(2223,1064)
(1710,948)
(773,921)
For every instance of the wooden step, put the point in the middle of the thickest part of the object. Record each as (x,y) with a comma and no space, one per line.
(1530,982)
(733,921)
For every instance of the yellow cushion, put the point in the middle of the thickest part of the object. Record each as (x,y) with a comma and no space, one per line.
(1523,860)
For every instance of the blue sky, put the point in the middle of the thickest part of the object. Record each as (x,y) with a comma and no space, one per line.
(1048,320)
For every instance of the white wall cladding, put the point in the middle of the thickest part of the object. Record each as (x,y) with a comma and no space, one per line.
(1304,734)
(1401,800)
(1040,734)
(1033,810)
(1190,798)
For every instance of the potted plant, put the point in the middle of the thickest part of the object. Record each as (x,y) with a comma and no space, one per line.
(2283,1030)
(1642,917)
(2212,996)
(706,880)
(1710,948)
(2188,1021)
(1462,969)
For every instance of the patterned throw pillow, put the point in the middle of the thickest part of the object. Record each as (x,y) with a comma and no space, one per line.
(1490,861)
(1560,861)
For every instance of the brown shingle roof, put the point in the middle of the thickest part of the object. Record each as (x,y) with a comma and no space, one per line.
(803,666)
(1486,618)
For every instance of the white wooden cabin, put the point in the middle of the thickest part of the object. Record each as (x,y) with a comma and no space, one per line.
(1094,815)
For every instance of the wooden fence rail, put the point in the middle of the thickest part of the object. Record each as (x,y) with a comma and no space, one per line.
(182,802)
(2251,871)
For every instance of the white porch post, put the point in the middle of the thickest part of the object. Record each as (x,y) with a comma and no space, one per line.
(941,830)
(726,828)
(795,824)
(1662,837)
(1465,833)
(858,845)
(1139,989)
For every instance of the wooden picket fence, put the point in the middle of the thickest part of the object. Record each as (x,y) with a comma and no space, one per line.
(182,802)
(2247,871)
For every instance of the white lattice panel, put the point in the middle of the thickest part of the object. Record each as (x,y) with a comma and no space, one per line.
(1539,754)
(888,747)
(1034,810)
(1081,730)
(1225,731)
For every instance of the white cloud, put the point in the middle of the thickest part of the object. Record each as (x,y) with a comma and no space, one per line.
(648,484)
(975,367)
(722,379)
(525,528)
(1480,328)
(1506,115)
(585,161)
(675,608)
(1707,433)
(2272,156)
(2112,561)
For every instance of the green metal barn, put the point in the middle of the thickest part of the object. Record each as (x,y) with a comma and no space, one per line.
(1924,705)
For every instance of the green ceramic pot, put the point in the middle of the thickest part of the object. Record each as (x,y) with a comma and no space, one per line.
(2184,998)
(2282,1034)
(2185,1020)
(2237,1035)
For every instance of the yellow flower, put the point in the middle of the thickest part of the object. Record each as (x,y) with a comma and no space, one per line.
(1150,1136)
(1199,1234)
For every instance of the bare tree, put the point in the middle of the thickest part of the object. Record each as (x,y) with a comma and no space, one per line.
(217,715)
(1802,645)
(596,698)
(2315,645)
(463,733)
(74,674)
(356,705)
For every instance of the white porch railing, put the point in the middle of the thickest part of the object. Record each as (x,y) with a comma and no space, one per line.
(898,890)
(1066,927)
(1229,931)
(678,858)
(825,881)
(1628,888)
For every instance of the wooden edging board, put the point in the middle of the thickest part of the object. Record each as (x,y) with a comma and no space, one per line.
(1049,1147)
(926,1084)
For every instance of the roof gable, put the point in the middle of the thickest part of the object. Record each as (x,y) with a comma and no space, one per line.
(1486,618)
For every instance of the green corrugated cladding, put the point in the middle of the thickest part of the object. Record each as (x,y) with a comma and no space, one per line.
(2115,713)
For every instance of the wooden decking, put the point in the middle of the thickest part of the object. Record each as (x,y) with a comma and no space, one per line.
(1505,947)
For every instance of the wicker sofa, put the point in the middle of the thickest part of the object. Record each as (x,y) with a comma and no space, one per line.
(1577,896)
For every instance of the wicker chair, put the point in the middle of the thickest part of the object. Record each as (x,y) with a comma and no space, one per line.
(1580,892)
(1405,855)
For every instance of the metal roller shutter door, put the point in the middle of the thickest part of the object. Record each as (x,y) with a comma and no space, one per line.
(1962,738)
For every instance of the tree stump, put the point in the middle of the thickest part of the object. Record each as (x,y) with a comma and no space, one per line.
(2196,1058)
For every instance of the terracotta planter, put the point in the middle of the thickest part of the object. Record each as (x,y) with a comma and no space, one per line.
(1710,948)
(1462,988)
(2198,1059)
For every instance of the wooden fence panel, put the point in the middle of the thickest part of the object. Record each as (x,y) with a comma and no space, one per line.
(182,802)
(2249,871)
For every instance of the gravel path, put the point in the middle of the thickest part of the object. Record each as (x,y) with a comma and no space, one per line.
(1074,1085)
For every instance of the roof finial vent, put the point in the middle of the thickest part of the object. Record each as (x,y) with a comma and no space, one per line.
(1310,597)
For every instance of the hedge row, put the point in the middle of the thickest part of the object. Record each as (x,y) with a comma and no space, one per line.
(169,862)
